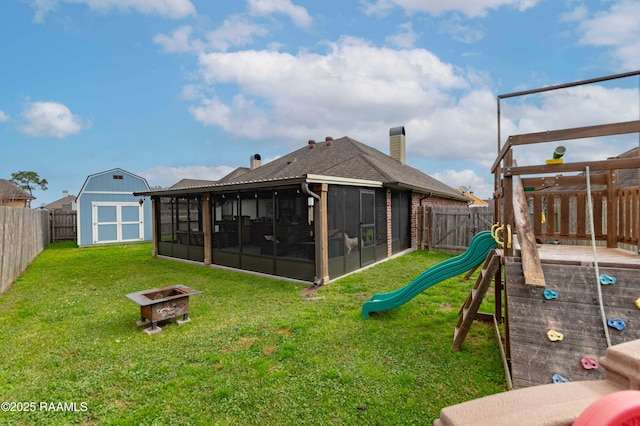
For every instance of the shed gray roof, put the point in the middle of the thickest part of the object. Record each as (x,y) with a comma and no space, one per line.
(10,191)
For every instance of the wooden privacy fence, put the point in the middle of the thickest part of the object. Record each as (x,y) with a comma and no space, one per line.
(63,225)
(451,228)
(24,233)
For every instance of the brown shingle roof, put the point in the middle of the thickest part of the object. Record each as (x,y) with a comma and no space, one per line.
(10,191)
(343,158)
(348,158)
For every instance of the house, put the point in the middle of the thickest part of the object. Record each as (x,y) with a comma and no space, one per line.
(108,212)
(13,196)
(66,203)
(315,214)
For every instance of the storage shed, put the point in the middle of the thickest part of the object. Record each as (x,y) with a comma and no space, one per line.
(108,212)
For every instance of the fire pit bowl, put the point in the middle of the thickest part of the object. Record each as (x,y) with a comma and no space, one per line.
(162,304)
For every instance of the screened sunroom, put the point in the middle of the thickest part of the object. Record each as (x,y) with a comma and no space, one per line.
(275,230)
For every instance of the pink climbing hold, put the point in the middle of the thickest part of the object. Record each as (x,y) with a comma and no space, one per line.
(589,364)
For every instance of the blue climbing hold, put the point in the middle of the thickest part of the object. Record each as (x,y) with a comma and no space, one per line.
(557,378)
(616,323)
(606,279)
(550,294)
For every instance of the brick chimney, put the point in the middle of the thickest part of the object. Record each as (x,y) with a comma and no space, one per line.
(254,161)
(398,144)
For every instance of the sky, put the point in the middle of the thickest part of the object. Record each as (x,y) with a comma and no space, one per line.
(173,89)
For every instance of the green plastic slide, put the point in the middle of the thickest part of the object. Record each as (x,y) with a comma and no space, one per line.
(479,247)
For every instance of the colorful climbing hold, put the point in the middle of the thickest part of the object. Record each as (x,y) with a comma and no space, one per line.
(607,280)
(589,364)
(638,303)
(550,294)
(616,323)
(554,336)
(557,378)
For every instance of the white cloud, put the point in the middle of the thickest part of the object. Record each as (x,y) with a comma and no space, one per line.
(466,178)
(178,42)
(470,8)
(351,87)
(174,9)
(42,7)
(51,119)
(618,29)
(298,14)
(459,31)
(4,117)
(166,176)
(404,38)
(235,31)
(377,8)
(576,14)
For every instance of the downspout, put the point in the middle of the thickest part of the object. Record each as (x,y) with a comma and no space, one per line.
(317,231)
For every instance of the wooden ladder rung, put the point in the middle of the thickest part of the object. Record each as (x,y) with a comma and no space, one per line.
(471,305)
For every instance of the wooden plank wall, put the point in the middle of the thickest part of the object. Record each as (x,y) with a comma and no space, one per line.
(63,225)
(24,233)
(575,314)
(452,228)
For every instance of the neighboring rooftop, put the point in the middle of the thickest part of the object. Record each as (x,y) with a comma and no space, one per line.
(10,191)
(187,183)
(64,203)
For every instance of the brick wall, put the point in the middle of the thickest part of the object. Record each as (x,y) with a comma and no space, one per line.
(431,202)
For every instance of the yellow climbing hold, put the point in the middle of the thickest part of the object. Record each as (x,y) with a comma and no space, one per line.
(638,303)
(554,336)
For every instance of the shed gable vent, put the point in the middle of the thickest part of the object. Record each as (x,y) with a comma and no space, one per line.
(118,177)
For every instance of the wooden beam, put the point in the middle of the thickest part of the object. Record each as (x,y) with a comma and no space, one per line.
(577,133)
(610,164)
(560,181)
(531,264)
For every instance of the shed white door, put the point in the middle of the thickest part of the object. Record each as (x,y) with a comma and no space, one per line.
(117,222)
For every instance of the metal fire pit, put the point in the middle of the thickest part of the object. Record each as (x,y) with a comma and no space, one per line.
(162,304)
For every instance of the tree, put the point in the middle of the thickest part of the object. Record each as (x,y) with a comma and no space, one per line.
(29,181)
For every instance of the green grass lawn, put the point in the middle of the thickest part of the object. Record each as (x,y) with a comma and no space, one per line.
(256,352)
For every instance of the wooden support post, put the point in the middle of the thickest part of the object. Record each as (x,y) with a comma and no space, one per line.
(155,216)
(507,205)
(531,265)
(208,229)
(612,209)
(321,235)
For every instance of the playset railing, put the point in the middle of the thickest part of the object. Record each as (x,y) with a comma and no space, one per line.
(557,193)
